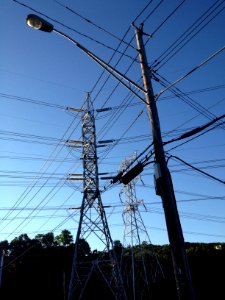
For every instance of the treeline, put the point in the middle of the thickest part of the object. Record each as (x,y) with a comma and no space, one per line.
(40,268)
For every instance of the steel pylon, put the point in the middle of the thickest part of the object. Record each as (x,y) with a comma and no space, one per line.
(141,267)
(98,269)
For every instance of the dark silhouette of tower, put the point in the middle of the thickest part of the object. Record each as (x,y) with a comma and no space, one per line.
(96,274)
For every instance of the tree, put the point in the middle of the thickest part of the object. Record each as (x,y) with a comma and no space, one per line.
(4,246)
(20,244)
(46,240)
(83,248)
(65,238)
(118,248)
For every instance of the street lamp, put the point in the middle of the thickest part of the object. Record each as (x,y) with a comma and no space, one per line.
(164,186)
(38,23)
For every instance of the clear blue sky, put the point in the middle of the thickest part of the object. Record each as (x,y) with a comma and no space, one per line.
(42,73)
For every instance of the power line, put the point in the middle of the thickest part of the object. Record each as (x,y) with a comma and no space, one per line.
(167,18)
(42,171)
(30,138)
(191,71)
(153,10)
(120,57)
(198,91)
(188,100)
(36,158)
(197,169)
(170,50)
(95,25)
(142,11)
(132,40)
(130,66)
(196,130)
(33,101)
(197,136)
(74,30)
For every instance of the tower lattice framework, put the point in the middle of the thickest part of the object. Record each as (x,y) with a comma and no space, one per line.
(98,271)
(141,268)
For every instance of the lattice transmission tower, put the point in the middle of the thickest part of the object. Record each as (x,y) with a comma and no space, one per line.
(96,275)
(140,265)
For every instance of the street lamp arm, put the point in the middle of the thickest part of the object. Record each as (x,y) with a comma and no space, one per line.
(101,62)
(38,23)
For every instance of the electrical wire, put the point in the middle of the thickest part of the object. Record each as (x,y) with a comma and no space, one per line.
(197,169)
(72,29)
(188,100)
(33,101)
(190,72)
(44,199)
(153,11)
(173,47)
(195,137)
(42,171)
(196,130)
(94,24)
(30,138)
(167,18)
(142,11)
(198,91)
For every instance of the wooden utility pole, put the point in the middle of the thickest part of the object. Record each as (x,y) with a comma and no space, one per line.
(164,186)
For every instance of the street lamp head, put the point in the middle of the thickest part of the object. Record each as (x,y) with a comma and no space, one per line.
(38,23)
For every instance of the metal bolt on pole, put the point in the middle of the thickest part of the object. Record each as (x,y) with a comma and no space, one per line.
(164,185)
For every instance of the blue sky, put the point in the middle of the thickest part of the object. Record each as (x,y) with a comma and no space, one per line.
(42,74)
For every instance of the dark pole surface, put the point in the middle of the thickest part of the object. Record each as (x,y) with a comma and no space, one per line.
(165,186)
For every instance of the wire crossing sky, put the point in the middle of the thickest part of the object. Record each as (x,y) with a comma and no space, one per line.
(44,83)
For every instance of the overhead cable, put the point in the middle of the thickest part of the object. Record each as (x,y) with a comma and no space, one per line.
(29,100)
(191,71)
(72,29)
(94,24)
(173,47)
(194,131)
(187,99)
(167,18)
(197,169)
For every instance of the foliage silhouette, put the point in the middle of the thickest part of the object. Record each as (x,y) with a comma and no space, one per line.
(40,268)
